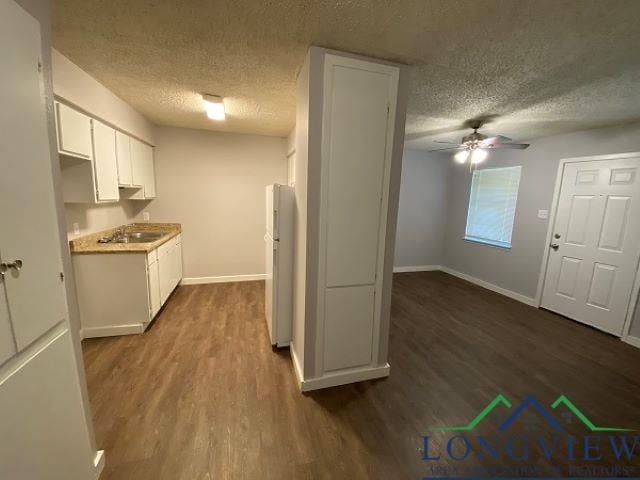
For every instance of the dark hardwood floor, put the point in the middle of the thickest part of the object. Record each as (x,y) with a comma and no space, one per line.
(201,395)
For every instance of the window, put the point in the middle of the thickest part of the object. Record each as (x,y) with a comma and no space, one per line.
(492,205)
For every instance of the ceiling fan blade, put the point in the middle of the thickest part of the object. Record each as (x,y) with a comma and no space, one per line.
(517,146)
(448,148)
(450,143)
(497,139)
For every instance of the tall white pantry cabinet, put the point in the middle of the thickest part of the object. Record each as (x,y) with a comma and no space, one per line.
(349,138)
(44,432)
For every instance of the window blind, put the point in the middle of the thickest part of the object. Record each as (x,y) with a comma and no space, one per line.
(492,205)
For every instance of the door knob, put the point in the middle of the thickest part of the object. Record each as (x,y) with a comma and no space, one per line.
(15,265)
(555,246)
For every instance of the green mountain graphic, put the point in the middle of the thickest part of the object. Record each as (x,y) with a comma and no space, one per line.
(563,400)
(500,399)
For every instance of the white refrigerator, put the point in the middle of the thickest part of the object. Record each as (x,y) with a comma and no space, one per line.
(279,263)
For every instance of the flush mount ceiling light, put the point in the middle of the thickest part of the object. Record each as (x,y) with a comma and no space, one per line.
(214,106)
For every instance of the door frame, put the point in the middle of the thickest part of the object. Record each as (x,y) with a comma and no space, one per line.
(635,291)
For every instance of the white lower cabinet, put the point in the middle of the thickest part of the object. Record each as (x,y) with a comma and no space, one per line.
(121,293)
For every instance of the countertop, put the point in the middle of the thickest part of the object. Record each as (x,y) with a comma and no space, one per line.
(90,244)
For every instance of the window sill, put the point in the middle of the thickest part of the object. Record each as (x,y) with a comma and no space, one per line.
(503,246)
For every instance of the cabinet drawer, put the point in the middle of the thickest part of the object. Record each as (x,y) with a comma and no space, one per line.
(152,256)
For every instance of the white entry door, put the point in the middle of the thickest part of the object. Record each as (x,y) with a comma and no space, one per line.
(595,243)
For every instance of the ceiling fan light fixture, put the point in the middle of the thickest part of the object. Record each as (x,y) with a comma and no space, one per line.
(213,106)
(478,155)
(461,156)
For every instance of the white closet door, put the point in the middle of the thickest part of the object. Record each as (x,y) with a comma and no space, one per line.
(356,165)
(29,230)
(105,162)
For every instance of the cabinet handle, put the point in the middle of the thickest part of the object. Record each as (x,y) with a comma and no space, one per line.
(15,265)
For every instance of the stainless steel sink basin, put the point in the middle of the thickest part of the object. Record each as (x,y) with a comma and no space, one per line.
(139,237)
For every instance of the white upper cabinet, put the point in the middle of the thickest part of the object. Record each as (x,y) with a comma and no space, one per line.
(123,154)
(142,170)
(105,163)
(74,132)
(96,160)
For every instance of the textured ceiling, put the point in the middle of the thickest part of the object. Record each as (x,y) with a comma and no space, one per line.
(536,67)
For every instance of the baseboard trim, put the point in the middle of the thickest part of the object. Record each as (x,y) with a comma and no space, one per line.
(342,378)
(98,462)
(222,279)
(111,331)
(490,286)
(417,268)
(296,366)
(634,341)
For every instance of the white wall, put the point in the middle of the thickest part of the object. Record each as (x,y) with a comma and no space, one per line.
(213,183)
(422,216)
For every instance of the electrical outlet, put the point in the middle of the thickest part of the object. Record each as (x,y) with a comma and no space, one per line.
(76,228)
(543,214)
(145,216)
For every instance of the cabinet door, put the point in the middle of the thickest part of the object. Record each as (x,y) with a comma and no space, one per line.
(105,163)
(149,173)
(154,289)
(137,162)
(29,231)
(74,132)
(123,154)
(166,270)
(178,256)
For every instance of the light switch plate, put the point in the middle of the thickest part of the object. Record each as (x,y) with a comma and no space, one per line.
(76,228)
(543,213)
(145,216)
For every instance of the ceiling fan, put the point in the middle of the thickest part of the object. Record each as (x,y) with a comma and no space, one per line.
(475,145)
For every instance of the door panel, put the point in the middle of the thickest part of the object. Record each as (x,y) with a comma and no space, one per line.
(44,435)
(349,327)
(105,162)
(581,209)
(616,216)
(29,227)
(602,282)
(568,278)
(356,167)
(590,276)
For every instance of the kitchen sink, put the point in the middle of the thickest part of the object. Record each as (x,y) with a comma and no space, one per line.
(138,237)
